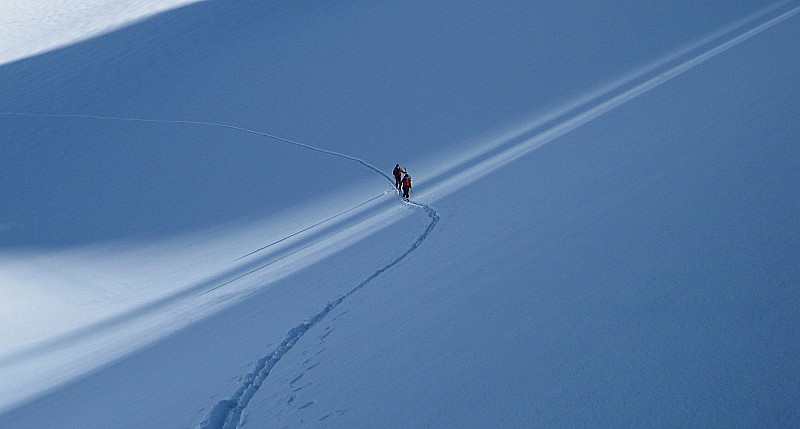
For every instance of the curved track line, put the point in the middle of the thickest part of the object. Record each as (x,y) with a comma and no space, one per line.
(209,124)
(227,413)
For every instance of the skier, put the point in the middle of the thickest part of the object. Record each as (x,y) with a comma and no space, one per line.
(406,186)
(398,175)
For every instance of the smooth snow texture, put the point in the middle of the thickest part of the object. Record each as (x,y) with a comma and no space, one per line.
(31,27)
(198,225)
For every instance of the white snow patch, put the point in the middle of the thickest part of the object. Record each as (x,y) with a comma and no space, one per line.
(28,28)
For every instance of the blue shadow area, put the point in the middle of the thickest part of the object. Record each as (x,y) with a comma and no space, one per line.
(384,81)
(71,181)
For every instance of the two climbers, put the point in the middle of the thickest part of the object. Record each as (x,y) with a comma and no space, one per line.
(402,180)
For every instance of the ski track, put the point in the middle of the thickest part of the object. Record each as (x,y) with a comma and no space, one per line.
(226,414)
(211,124)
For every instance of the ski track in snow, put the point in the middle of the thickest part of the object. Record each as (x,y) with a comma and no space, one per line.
(226,414)
(210,124)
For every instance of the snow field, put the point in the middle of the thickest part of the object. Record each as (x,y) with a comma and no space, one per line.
(639,272)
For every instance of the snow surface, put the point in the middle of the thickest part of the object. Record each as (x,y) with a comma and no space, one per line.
(198,227)
(32,27)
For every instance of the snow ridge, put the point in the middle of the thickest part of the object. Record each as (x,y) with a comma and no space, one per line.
(534,136)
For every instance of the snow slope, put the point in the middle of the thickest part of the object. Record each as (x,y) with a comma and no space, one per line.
(604,230)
